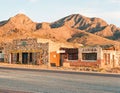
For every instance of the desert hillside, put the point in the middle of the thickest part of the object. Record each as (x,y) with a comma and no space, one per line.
(73,29)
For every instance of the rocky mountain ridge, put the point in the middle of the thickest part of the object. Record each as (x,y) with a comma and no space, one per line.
(74,28)
(94,25)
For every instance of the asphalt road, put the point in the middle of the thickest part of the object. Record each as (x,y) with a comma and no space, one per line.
(41,81)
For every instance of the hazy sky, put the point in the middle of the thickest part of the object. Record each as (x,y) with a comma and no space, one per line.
(52,10)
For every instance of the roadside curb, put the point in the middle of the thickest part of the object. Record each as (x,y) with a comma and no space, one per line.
(62,71)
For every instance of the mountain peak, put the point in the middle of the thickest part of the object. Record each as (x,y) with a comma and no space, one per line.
(20,19)
(20,14)
(79,21)
(92,25)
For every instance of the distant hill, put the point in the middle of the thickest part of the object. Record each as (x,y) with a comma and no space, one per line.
(74,29)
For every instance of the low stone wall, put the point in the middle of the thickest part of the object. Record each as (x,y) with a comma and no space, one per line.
(66,64)
(82,64)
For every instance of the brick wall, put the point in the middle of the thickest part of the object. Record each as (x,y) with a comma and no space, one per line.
(84,64)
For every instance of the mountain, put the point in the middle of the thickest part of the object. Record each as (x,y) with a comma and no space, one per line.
(20,21)
(93,25)
(73,29)
(16,27)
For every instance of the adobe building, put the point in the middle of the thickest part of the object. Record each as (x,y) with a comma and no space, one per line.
(95,56)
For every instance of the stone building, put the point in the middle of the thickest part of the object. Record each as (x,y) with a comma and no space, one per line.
(26,51)
(34,51)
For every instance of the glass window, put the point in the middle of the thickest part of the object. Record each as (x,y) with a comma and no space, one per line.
(73,56)
(89,56)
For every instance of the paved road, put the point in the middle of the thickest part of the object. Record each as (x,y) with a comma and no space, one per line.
(53,82)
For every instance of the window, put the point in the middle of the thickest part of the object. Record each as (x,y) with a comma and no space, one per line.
(89,56)
(73,56)
(24,43)
(70,53)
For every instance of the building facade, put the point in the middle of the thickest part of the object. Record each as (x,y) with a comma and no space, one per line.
(43,51)
(26,51)
(95,57)
(34,51)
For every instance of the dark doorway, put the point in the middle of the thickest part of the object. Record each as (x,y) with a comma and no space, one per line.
(30,59)
(25,58)
(62,58)
(11,57)
(17,57)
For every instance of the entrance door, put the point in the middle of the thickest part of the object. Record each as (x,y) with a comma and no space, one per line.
(62,57)
(30,58)
(11,59)
(25,58)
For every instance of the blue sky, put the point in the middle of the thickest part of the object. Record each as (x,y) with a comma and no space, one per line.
(52,10)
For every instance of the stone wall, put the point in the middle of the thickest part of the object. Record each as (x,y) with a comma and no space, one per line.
(83,64)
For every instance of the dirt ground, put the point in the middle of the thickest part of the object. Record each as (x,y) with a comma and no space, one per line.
(108,70)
